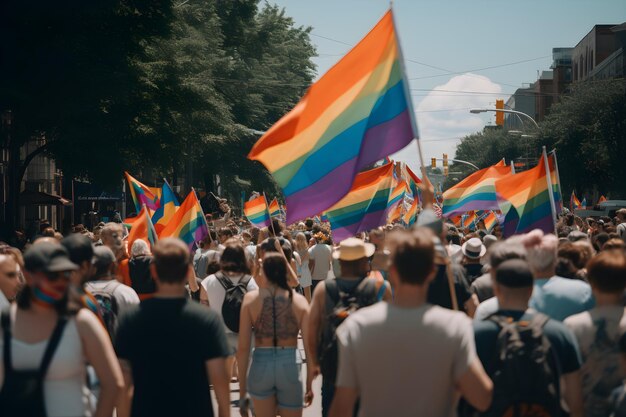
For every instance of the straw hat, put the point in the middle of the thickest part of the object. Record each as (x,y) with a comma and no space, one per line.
(474,248)
(352,249)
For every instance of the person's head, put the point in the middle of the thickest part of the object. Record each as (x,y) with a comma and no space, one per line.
(615,243)
(104,263)
(47,270)
(140,248)
(224,234)
(170,263)
(275,270)
(606,272)
(621,215)
(276,228)
(513,283)
(453,237)
(48,232)
(412,257)
(353,255)
(503,251)
(308,223)
(246,237)
(80,250)
(111,235)
(377,238)
(541,252)
(233,258)
(9,277)
(473,250)
(599,240)
(301,243)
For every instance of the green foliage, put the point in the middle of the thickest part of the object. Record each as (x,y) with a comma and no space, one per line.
(588,129)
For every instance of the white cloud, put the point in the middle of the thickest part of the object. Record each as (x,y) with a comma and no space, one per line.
(443,116)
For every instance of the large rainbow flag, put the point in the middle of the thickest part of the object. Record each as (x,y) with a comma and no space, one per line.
(142,194)
(257,212)
(397,195)
(491,220)
(188,223)
(476,192)
(526,201)
(556,187)
(142,228)
(365,206)
(169,206)
(357,113)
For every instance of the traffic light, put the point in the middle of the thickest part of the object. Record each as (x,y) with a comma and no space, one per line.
(445,171)
(445,159)
(499,114)
(433,163)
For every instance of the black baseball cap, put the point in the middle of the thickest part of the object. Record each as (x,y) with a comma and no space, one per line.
(48,257)
(514,273)
(79,247)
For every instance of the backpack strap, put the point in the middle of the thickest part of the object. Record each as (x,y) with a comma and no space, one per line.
(53,343)
(366,292)
(226,283)
(537,322)
(332,294)
(243,282)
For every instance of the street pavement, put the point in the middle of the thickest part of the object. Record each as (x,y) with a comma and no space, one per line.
(315,410)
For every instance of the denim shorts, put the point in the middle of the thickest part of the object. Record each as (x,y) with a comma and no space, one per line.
(276,371)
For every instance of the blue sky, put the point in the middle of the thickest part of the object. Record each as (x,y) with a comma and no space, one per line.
(448,45)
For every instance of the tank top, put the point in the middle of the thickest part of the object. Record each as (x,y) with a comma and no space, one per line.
(277,319)
(65,392)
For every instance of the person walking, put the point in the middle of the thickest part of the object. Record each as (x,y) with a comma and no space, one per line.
(274,315)
(306,280)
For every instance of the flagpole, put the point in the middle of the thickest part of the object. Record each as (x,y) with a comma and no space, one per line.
(558,176)
(550,190)
(270,215)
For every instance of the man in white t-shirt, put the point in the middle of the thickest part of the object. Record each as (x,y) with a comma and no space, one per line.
(621,223)
(319,262)
(408,358)
(104,281)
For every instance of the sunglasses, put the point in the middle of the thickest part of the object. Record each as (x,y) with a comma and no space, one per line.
(55,276)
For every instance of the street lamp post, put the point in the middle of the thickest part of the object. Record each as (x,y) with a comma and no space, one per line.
(476,111)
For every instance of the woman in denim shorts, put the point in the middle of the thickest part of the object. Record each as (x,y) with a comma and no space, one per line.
(275,314)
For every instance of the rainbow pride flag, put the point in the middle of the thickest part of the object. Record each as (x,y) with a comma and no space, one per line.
(142,194)
(411,214)
(397,195)
(469,220)
(142,228)
(526,201)
(356,114)
(602,199)
(395,214)
(169,206)
(257,212)
(365,206)
(491,220)
(476,192)
(188,223)
(556,187)
(574,202)
(412,179)
(274,208)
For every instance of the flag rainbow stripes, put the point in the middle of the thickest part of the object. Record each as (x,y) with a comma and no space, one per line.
(491,220)
(169,206)
(574,202)
(357,113)
(257,212)
(142,194)
(411,214)
(526,201)
(556,188)
(365,206)
(142,228)
(274,208)
(602,199)
(469,220)
(476,192)
(188,223)
(397,195)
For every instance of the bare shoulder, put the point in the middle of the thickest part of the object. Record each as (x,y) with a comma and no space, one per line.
(87,322)
(251,296)
(300,302)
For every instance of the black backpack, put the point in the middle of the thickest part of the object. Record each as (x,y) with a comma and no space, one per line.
(231,307)
(526,376)
(339,306)
(107,304)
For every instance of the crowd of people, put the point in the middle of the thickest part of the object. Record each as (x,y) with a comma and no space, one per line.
(430,320)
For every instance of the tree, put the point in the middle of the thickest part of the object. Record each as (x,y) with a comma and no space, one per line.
(588,129)
(67,80)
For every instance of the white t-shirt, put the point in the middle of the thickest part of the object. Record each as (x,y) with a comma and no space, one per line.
(4,302)
(320,254)
(124,295)
(405,361)
(216,292)
(598,332)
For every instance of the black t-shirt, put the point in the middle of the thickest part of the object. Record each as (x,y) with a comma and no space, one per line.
(439,289)
(167,342)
